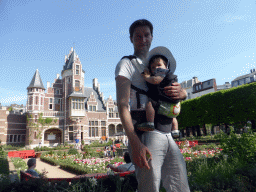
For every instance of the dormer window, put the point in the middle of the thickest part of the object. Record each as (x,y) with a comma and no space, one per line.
(111,112)
(77,69)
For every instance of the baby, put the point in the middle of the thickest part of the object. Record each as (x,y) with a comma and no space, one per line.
(159,75)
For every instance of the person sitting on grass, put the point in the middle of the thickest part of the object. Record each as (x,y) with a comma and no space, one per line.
(125,167)
(31,166)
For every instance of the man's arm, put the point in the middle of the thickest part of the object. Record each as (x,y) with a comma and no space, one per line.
(113,168)
(139,151)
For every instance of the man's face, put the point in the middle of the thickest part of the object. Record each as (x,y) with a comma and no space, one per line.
(141,39)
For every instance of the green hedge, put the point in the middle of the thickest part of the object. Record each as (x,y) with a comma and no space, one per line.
(226,106)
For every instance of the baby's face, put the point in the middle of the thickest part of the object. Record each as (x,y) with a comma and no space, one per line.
(157,63)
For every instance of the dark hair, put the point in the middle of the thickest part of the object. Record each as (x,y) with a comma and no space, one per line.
(139,23)
(31,162)
(152,59)
(127,158)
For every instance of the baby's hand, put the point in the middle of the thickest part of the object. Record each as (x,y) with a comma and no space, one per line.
(146,73)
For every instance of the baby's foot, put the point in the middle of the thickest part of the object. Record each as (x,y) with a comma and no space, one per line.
(147,126)
(175,133)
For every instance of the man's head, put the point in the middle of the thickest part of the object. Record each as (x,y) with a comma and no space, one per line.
(157,61)
(127,158)
(141,35)
(140,23)
(31,162)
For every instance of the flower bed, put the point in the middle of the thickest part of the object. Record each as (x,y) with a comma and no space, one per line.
(79,165)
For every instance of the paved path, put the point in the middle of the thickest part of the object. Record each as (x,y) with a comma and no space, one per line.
(53,171)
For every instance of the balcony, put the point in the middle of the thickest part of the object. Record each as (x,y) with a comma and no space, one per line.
(53,114)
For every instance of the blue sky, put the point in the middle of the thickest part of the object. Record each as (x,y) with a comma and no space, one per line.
(208,38)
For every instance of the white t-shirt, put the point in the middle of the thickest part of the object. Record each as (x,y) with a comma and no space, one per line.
(126,69)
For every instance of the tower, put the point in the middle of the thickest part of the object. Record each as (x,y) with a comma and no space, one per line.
(35,104)
(73,96)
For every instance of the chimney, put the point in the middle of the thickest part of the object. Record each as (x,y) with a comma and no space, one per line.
(251,70)
(48,84)
(58,76)
(95,83)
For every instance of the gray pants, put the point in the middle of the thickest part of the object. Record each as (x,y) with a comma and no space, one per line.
(167,164)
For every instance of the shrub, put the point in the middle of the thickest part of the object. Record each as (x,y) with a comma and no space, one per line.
(72,151)
(242,147)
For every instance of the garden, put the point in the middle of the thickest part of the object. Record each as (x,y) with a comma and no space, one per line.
(229,166)
(223,162)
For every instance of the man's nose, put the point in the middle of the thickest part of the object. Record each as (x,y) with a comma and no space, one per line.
(144,39)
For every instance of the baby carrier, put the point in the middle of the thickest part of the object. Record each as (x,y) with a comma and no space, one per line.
(162,103)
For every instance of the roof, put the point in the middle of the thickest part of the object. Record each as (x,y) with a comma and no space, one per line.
(36,81)
(71,59)
(245,76)
(87,93)
(77,94)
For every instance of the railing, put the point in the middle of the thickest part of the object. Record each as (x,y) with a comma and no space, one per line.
(53,113)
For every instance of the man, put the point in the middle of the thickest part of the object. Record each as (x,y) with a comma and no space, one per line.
(31,166)
(125,167)
(155,154)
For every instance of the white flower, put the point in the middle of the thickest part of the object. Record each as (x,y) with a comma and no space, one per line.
(93,181)
(121,179)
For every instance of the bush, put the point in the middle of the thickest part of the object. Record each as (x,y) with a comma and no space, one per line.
(242,147)
(72,151)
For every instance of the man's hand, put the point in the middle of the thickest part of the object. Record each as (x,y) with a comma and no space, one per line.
(175,91)
(141,154)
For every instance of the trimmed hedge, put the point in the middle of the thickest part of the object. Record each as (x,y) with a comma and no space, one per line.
(237,104)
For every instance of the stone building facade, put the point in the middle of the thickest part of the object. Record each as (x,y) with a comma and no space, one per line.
(66,111)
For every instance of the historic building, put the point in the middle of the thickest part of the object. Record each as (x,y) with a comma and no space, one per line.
(66,111)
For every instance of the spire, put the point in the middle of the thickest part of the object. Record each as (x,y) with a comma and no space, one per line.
(70,59)
(36,81)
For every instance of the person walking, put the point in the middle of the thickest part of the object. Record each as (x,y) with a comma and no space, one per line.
(155,154)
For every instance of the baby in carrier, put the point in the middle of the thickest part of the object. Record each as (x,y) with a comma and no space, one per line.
(161,66)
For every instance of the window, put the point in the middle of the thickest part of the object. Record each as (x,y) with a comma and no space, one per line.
(77,84)
(57,91)
(103,123)
(36,89)
(41,101)
(15,138)
(117,115)
(94,108)
(35,118)
(251,79)
(90,108)
(208,82)
(111,114)
(19,138)
(69,79)
(50,103)
(77,69)
(103,131)
(71,133)
(36,100)
(78,103)
(93,129)
(11,137)
(30,100)
(199,86)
